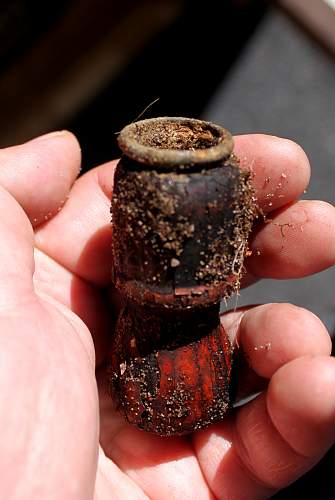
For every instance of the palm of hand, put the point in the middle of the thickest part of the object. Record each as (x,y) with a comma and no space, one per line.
(47,375)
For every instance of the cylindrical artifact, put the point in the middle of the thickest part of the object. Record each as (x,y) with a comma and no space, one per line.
(182,211)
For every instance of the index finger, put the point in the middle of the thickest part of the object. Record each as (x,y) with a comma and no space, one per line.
(280,169)
(39,174)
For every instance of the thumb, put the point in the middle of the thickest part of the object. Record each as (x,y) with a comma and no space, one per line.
(16,254)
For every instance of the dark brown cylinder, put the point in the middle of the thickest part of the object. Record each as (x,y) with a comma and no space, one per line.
(182,210)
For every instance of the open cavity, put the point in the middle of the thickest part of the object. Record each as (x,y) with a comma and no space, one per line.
(177,135)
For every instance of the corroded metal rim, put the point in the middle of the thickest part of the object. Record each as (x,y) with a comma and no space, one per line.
(132,146)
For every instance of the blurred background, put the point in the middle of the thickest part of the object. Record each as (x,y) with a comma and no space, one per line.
(92,66)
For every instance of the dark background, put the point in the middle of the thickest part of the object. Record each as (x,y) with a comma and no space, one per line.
(94,66)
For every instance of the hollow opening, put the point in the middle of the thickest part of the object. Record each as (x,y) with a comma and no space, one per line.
(177,135)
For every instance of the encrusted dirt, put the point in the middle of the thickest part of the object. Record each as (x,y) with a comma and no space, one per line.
(224,257)
(174,135)
(163,232)
(147,221)
(177,234)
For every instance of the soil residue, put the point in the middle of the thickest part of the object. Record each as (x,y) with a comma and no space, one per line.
(175,135)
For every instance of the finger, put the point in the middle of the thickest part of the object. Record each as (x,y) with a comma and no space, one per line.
(298,241)
(16,254)
(268,336)
(86,301)
(80,237)
(40,173)
(275,438)
(85,219)
(271,335)
(226,475)
(301,405)
(280,168)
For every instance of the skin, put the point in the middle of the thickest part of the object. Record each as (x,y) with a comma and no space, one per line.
(57,311)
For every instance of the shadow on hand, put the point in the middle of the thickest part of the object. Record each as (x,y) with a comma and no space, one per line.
(95,300)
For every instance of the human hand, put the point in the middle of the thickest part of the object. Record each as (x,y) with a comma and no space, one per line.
(49,400)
